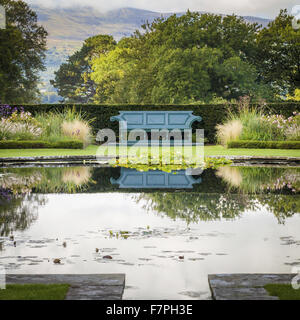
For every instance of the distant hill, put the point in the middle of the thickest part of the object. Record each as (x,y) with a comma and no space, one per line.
(69,27)
(81,23)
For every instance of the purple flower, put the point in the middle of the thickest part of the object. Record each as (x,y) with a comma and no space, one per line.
(6,111)
(5,195)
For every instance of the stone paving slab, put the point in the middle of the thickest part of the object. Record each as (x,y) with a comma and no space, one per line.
(82,287)
(244,286)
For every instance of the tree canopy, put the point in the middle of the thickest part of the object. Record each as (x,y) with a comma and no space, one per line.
(73,79)
(279,53)
(22,51)
(190,58)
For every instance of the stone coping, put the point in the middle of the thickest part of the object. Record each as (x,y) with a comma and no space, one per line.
(92,159)
(82,287)
(245,286)
(52,158)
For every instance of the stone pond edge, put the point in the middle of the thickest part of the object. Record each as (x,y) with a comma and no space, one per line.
(82,286)
(245,286)
(92,159)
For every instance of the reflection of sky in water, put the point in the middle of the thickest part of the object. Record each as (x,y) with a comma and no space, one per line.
(254,243)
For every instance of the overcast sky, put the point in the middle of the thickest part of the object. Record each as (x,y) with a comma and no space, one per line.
(261,8)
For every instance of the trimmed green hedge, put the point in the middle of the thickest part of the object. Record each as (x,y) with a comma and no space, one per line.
(35,144)
(212,114)
(264,144)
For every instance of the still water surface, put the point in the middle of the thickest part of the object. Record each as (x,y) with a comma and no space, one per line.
(165,241)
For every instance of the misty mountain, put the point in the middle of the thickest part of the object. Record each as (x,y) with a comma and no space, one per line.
(80,23)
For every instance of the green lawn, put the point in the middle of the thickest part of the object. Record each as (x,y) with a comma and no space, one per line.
(283,291)
(221,151)
(34,292)
(91,150)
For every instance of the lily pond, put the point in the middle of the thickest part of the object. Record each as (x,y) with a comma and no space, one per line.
(165,230)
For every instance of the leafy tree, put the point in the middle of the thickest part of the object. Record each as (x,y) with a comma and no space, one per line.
(295,97)
(181,60)
(184,59)
(22,51)
(278,55)
(238,78)
(109,70)
(183,75)
(230,33)
(73,79)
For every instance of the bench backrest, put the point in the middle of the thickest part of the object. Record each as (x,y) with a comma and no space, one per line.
(148,120)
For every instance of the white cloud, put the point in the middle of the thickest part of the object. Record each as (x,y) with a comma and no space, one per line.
(263,8)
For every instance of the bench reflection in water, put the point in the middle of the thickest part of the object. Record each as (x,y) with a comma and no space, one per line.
(154,179)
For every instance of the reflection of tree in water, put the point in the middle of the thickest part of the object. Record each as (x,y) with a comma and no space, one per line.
(256,180)
(276,188)
(45,180)
(282,206)
(195,207)
(18,207)
(17,213)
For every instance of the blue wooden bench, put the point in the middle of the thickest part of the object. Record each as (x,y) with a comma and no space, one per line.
(149,120)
